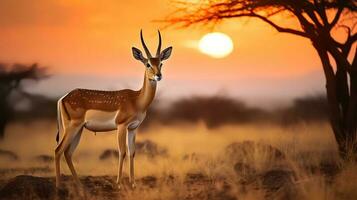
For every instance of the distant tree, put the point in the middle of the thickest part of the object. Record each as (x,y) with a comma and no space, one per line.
(34,103)
(304,109)
(11,78)
(317,19)
(214,111)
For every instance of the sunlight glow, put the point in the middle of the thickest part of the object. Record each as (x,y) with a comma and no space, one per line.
(217,45)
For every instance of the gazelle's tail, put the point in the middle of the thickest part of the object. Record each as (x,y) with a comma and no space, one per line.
(60,123)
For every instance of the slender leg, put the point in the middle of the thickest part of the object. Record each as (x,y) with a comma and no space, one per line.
(69,134)
(121,149)
(68,155)
(58,161)
(131,152)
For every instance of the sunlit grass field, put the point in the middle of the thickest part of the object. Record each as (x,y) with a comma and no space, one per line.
(308,152)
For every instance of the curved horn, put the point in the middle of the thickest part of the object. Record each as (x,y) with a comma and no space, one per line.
(159,46)
(144,45)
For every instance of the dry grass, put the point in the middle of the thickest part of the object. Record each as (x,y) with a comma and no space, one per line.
(308,148)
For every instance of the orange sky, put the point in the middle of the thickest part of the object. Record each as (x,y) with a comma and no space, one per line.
(87,43)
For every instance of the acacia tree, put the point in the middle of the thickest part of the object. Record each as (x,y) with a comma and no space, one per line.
(316,21)
(11,77)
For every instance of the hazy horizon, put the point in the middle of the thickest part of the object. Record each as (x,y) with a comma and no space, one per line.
(265,92)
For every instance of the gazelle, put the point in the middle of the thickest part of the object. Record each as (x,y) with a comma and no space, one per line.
(101,111)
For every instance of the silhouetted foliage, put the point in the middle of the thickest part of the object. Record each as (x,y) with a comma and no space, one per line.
(306,109)
(37,107)
(216,111)
(213,111)
(11,79)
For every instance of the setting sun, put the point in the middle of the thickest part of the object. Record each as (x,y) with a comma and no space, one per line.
(217,45)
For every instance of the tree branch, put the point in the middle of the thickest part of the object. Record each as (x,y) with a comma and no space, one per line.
(320,8)
(309,28)
(351,38)
(310,11)
(279,28)
(336,18)
(354,62)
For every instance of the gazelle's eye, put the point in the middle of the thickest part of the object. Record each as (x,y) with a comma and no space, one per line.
(160,64)
(148,65)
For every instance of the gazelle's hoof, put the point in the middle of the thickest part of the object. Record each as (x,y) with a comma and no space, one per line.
(133,185)
(119,186)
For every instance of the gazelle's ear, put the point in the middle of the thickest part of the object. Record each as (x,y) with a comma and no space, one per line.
(165,54)
(137,54)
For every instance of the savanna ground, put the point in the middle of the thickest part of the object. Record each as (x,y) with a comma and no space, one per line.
(183,162)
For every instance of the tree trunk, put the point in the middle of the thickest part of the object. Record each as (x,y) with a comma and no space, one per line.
(351,116)
(4,116)
(342,102)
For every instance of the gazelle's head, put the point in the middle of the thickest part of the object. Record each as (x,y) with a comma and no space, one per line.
(152,64)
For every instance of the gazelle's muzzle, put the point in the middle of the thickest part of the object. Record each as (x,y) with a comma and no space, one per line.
(158,77)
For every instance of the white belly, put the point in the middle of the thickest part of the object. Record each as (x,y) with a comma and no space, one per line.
(96,120)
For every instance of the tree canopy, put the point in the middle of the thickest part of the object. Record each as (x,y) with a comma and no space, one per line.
(11,78)
(312,15)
